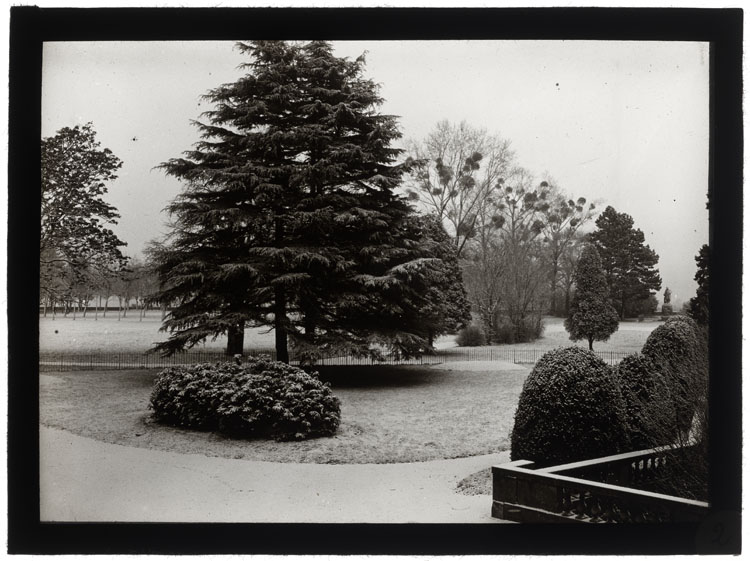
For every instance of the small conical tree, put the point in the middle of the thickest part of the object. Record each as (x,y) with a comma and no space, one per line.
(591,316)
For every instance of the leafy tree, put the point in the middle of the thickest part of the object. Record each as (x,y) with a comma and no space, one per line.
(458,168)
(592,317)
(628,263)
(698,305)
(74,233)
(289,216)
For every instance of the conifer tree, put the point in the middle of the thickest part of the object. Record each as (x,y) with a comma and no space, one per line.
(698,304)
(289,218)
(629,264)
(591,317)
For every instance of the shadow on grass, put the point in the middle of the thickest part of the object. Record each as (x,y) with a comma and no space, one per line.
(377,376)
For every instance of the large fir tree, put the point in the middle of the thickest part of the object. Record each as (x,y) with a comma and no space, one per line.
(289,218)
(629,264)
(591,315)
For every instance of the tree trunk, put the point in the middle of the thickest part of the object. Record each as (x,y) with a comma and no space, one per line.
(591,343)
(236,339)
(553,302)
(106,305)
(163,310)
(488,319)
(282,352)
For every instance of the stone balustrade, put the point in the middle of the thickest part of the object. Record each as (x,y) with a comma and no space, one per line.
(597,490)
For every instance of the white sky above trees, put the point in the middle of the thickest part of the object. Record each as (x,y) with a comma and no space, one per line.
(624,123)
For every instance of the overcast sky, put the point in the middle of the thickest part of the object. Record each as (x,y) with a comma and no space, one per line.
(621,122)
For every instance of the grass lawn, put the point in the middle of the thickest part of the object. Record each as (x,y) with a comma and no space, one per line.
(133,335)
(129,334)
(629,337)
(388,414)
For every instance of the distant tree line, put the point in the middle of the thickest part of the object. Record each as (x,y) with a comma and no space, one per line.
(93,291)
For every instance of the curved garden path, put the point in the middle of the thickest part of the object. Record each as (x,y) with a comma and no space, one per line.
(83,479)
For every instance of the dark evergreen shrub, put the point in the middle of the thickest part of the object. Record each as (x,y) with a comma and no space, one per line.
(523,331)
(570,409)
(679,347)
(471,336)
(649,409)
(260,398)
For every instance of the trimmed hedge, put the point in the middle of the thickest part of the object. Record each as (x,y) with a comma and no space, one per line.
(260,398)
(570,409)
(679,347)
(649,410)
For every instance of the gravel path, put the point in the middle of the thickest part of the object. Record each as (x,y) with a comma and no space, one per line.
(83,479)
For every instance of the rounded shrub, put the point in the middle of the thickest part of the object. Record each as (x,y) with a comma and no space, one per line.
(649,411)
(260,398)
(570,409)
(524,331)
(679,347)
(471,336)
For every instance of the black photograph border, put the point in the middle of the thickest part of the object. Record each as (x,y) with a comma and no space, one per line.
(31,26)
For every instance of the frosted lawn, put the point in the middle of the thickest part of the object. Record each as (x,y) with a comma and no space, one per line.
(132,335)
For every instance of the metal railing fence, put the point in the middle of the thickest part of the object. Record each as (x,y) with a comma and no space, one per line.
(67,361)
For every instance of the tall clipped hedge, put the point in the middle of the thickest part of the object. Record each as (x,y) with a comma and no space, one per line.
(649,410)
(261,398)
(570,409)
(680,349)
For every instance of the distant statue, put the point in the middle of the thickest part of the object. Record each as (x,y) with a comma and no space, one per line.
(666,308)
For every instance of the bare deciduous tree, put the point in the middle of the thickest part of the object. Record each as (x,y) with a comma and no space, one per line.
(460,167)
